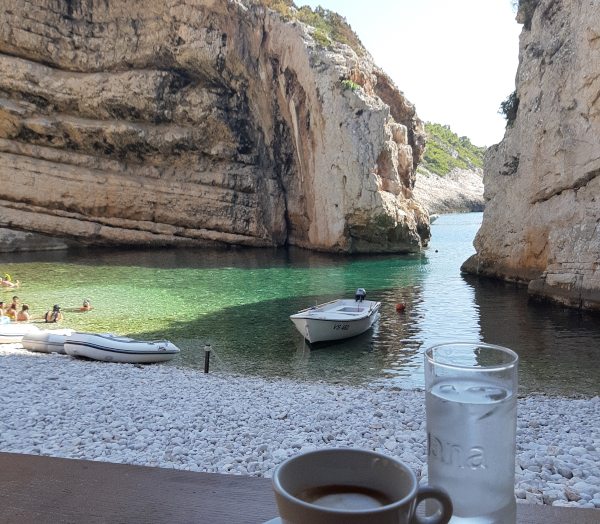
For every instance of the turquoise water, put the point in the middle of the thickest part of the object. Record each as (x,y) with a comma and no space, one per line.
(239,301)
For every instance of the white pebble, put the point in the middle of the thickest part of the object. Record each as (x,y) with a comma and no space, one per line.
(179,418)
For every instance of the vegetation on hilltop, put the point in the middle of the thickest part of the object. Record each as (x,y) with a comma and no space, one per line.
(329,26)
(446,151)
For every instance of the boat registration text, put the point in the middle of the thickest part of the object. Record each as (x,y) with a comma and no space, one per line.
(343,326)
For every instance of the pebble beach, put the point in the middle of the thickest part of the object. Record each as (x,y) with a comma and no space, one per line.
(169,417)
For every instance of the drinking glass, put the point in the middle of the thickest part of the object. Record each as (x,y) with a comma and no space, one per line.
(471,406)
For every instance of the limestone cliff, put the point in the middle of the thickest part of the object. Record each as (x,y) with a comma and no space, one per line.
(193,122)
(541,223)
(460,191)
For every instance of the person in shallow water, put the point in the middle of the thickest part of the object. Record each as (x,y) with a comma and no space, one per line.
(7,283)
(12,311)
(87,306)
(55,315)
(23,315)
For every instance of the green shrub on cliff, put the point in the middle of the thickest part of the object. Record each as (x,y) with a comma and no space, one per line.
(509,107)
(283,7)
(445,151)
(349,84)
(329,26)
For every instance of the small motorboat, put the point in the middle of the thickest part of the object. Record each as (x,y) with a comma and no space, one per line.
(338,319)
(14,332)
(46,340)
(114,348)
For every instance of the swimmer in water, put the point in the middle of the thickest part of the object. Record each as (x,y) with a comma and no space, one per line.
(87,306)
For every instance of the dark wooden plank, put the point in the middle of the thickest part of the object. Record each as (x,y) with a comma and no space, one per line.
(44,489)
(52,490)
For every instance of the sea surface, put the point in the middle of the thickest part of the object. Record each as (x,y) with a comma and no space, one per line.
(238,302)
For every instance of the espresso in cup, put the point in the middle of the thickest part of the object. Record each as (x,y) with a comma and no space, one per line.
(341,496)
(352,486)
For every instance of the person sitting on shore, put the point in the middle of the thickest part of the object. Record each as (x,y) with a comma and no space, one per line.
(55,315)
(23,315)
(87,306)
(3,318)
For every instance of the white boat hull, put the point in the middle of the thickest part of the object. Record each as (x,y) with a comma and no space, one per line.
(113,348)
(336,320)
(46,340)
(14,333)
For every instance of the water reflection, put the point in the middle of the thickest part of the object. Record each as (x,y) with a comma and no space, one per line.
(553,343)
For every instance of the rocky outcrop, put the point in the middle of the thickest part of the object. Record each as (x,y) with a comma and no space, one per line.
(541,223)
(460,191)
(195,122)
(11,241)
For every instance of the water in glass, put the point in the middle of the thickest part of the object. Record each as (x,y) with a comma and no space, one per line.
(471,432)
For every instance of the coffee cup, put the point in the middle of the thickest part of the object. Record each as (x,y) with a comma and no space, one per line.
(352,486)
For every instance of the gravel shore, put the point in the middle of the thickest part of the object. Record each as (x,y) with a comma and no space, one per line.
(178,418)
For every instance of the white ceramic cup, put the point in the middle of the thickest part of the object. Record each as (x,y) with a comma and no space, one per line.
(352,486)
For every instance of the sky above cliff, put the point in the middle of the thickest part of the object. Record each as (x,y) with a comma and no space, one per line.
(455,60)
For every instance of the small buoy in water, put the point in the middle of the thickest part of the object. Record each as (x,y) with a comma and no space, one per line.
(400,307)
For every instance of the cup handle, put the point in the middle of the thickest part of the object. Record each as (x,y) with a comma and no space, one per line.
(426,492)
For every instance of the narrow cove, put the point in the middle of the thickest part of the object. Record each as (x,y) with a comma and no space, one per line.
(238,301)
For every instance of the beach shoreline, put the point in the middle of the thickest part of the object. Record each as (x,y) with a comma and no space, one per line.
(178,418)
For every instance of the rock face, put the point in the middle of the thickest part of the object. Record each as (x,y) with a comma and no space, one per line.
(459,191)
(541,223)
(11,241)
(196,122)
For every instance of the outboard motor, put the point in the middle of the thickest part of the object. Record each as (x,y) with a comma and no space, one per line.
(360,294)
